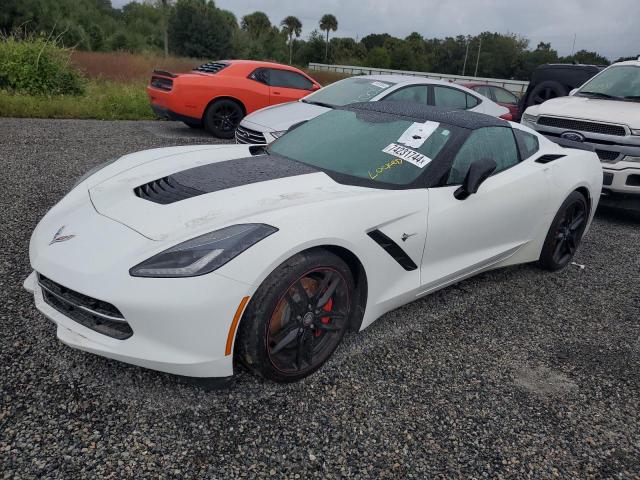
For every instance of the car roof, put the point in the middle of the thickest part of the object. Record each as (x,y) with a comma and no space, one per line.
(635,63)
(258,63)
(400,79)
(422,113)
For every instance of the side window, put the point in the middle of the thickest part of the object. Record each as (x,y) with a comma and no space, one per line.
(495,143)
(287,79)
(504,96)
(452,97)
(483,90)
(527,143)
(416,94)
(260,75)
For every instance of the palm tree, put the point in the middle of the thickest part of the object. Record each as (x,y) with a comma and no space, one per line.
(328,22)
(291,26)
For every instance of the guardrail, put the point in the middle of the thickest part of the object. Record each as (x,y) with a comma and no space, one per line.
(516,86)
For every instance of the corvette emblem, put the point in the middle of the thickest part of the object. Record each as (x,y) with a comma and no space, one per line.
(57,237)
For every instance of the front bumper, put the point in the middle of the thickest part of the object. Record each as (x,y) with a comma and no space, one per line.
(180,325)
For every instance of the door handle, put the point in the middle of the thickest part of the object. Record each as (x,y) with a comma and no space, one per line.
(276,93)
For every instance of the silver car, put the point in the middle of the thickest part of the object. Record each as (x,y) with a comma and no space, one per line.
(267,124)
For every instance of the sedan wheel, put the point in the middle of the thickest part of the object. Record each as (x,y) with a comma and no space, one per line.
(297,317)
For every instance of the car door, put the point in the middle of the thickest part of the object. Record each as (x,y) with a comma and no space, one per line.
(506,99)
(452,97)
(287,86)
(465,236)
(261,89)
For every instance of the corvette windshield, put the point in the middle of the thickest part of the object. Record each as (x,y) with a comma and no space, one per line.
(378,148)
(615,83)
(349,90)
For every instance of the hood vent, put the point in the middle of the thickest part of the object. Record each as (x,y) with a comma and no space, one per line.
(164,191)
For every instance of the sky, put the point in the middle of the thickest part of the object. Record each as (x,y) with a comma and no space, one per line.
(609,27)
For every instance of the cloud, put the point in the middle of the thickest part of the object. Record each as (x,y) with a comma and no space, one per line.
(608,27)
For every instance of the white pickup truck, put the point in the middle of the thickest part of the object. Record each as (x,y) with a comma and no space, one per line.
(604,113)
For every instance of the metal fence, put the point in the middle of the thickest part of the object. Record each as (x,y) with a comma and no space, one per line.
(516,86)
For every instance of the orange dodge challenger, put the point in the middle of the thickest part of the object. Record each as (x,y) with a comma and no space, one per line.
(217,95)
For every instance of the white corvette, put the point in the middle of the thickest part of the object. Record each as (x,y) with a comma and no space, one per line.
(183,259)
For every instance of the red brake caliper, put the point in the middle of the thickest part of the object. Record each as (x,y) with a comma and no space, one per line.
(327,308)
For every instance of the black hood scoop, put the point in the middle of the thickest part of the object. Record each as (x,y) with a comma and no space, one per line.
(220,176)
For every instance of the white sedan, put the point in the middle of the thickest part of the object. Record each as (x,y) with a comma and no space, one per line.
(186,259)
(269,123)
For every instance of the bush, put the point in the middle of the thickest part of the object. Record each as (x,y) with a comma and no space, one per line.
(36,66)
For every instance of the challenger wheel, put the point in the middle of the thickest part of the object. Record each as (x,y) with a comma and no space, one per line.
(297,317)
(565,233)
(222,117)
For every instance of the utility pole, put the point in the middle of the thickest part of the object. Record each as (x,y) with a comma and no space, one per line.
(478,59)
(464,66)
(573,49)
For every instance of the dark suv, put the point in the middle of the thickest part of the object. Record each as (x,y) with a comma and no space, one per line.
(555,80)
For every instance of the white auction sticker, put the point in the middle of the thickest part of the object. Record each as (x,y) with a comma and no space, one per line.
(406,154)
(380,84)
(417,134)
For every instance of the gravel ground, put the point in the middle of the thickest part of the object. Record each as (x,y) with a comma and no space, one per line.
(516,373)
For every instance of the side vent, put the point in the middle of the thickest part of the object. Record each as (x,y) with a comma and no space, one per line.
(548,158)
(393,249)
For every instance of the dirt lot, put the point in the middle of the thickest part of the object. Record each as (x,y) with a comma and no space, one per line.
(516,373)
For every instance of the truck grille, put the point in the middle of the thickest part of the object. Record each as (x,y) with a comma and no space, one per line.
(607,156)
(211,67)
(92,313)
(582,126)
(246,135)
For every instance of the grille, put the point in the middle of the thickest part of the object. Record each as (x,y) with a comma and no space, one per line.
(162,83)
(607,156)
(92,313)
(593,127)
(164,191)
(246,135)
(211,67)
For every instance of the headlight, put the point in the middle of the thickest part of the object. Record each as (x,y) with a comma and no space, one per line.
(629,158)
(203,254)
(277,134)
(635,132)
(527,117)
(95,169)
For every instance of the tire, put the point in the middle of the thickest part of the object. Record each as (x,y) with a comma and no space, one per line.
(193,124)
(565,233)
(222,117)
(546,91)
(280,337)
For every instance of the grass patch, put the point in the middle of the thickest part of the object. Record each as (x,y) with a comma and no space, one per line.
(103,100)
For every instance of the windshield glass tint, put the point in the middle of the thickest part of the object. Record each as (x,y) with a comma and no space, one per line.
(349,90)
(352,144)
(622,81)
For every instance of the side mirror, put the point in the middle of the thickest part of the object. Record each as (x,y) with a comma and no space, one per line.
(478,172)
(315,87)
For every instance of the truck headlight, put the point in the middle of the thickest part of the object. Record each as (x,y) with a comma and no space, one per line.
(635,132)
(203,254)
(527,117)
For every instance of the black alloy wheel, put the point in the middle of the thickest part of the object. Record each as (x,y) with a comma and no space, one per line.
(307,322)
(222,118)
(297,317)
(565,233)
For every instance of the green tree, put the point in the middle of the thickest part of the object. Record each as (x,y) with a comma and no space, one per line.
(328,22)
(256,24)
(586,57)
(291,26)
(378,57)
(197,28)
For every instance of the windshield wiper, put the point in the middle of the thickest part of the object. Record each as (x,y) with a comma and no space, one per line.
(600,95)
(320,104)
(633,98)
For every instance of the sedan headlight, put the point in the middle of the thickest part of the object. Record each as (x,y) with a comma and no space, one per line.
(527,117)
(277,134)
(635,132)
(203,254)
